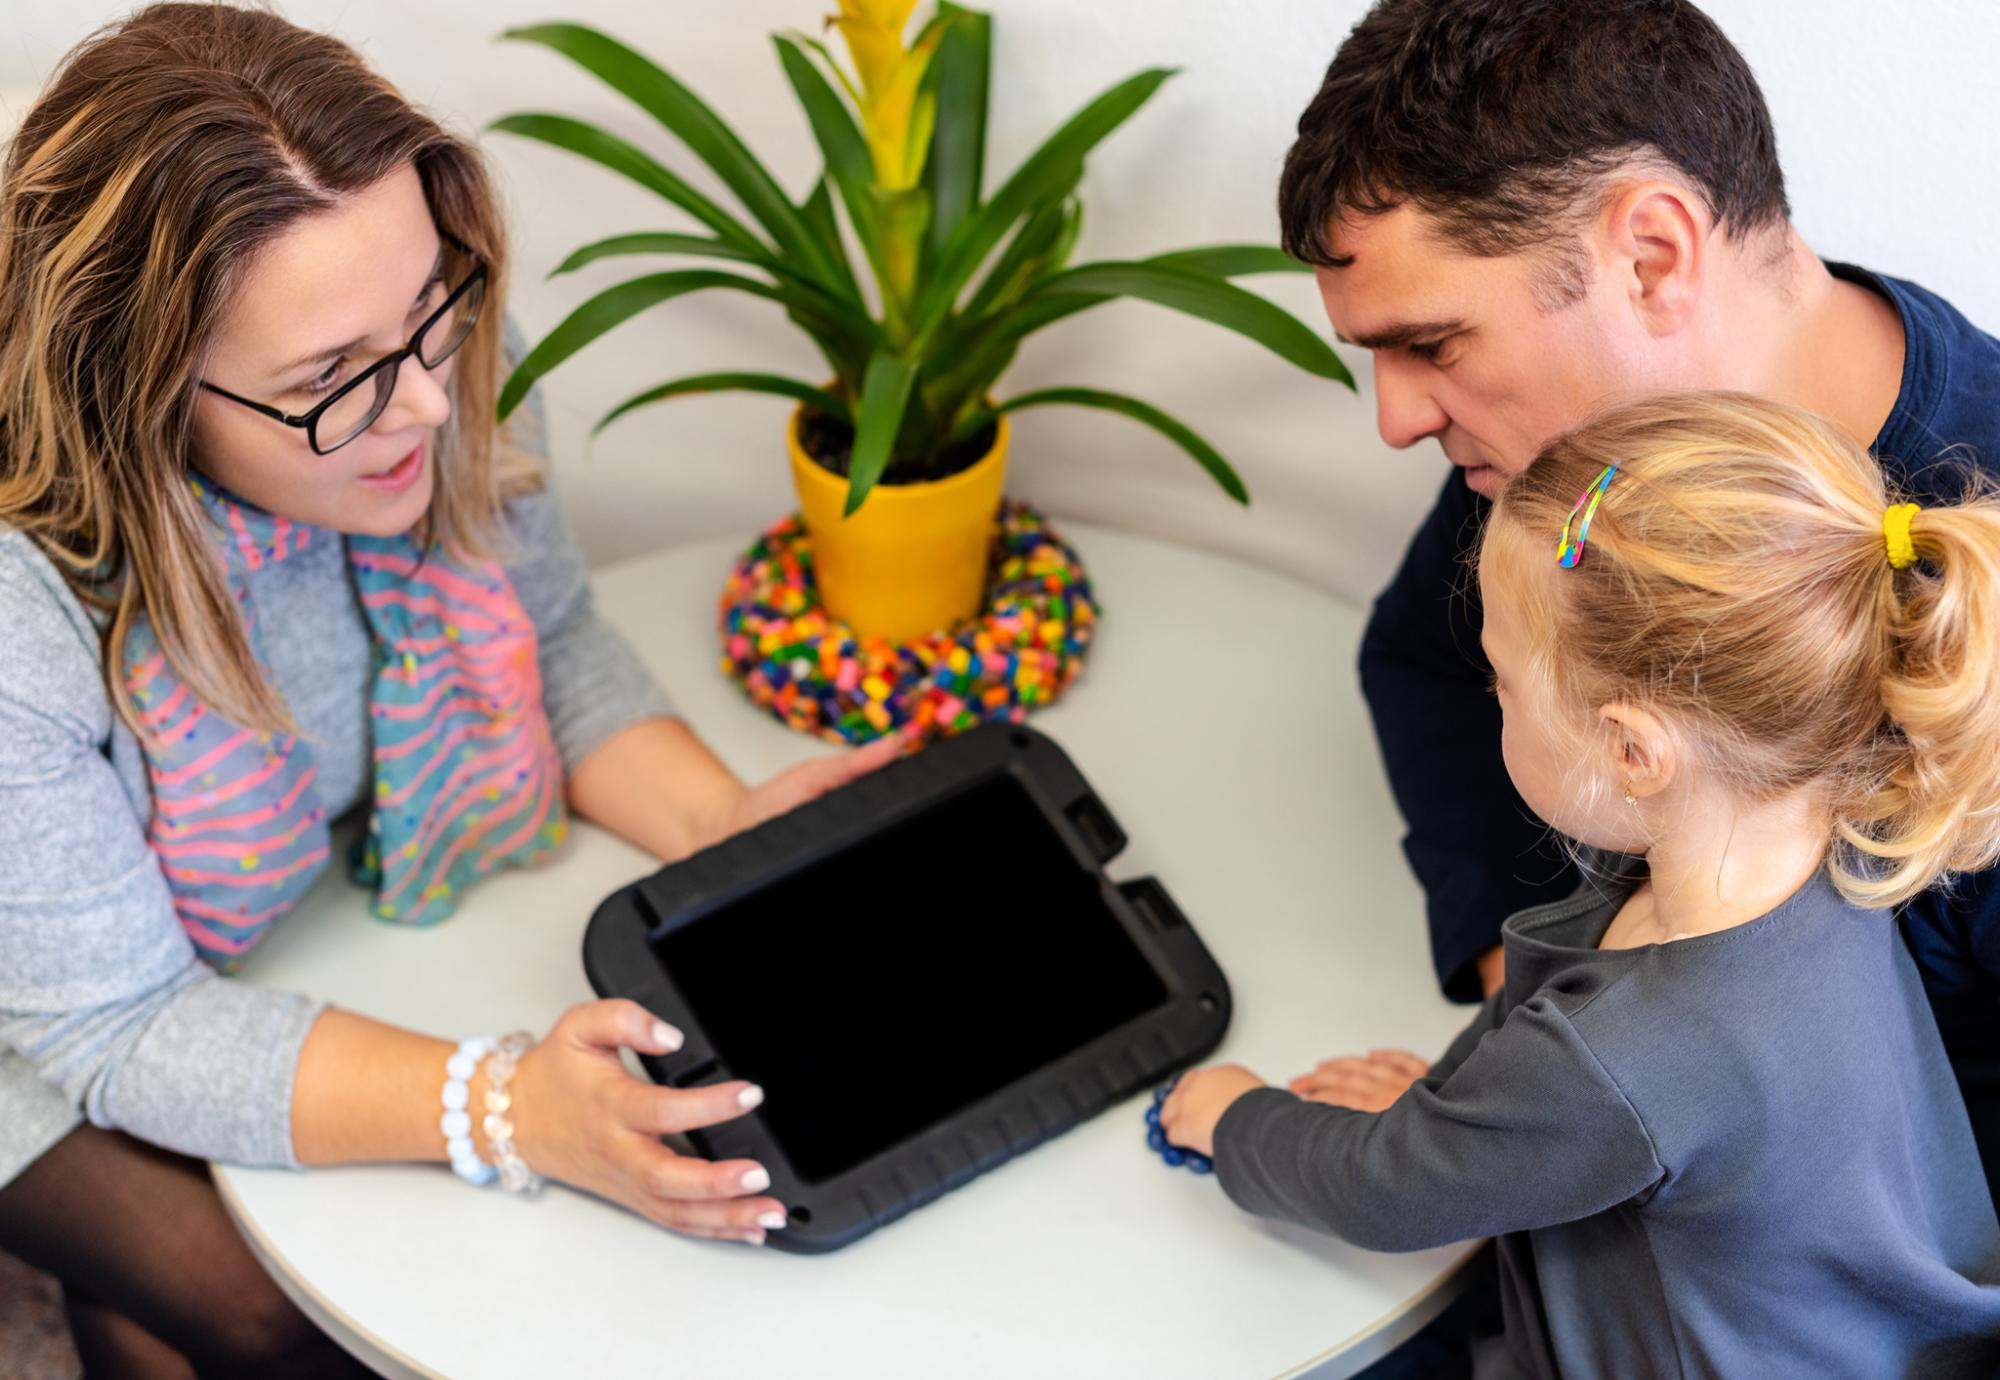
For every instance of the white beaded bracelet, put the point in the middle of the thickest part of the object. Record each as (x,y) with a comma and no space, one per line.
(515,1176)
(456,1123)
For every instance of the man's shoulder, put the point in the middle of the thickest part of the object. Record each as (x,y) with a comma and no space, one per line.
(1947,413)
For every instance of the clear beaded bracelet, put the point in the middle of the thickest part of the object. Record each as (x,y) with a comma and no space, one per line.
(456,1123)
(515,1176)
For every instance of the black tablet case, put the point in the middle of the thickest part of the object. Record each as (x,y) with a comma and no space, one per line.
(620,961)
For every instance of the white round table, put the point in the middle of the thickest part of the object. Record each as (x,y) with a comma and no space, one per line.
(1220,720)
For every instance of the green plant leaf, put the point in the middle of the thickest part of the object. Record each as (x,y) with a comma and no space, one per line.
(689,119)
(1207,456)
(1034,182)
(903,217)
(971,355)
(848,162)
(818,211)
(588,141)
(832,65)
(1058,256)
(1020,263)
(955,170)
(814,305)
(885,394)
(654,242)
(719,383)
(845,357)
(612,308)
(970,334)
(1205,296)
(1231,260)
(954,396)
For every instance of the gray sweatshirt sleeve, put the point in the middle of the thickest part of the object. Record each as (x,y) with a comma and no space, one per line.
(1527,1131)
(593,683)
(99,987)
(1488,1020)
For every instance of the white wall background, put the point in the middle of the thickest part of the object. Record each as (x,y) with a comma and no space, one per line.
(1886,116)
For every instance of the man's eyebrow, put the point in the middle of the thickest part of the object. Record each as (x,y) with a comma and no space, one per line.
(1405,333)
(437,268)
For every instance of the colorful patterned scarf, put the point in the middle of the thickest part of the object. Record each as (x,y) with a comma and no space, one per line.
(467,777)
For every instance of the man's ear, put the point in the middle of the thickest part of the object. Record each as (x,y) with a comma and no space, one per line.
(1656,237)
(1640,753)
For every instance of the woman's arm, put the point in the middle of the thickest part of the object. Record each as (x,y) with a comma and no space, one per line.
(655,784)
(368,1091)
(101,991)
(658,786)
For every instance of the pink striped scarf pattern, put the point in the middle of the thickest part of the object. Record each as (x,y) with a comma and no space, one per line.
(467,778)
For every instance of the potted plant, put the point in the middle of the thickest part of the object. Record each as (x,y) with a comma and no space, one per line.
(950,279)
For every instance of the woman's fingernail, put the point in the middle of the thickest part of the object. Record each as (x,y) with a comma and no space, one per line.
(750,1097)
(755,1238)
(755,1180)
(666,1035)
(772,1221)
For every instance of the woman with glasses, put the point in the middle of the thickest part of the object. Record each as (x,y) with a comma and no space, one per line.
(266,561)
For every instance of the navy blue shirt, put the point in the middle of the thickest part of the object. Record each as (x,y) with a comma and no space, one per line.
(1480,854)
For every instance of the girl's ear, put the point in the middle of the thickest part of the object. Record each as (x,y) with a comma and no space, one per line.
(1639,751)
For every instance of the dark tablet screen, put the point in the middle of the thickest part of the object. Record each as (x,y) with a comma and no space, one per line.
(880,989)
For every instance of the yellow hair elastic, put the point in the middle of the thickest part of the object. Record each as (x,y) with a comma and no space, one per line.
(1896,531)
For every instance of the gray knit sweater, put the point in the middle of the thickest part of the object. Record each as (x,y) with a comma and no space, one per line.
(105,1011)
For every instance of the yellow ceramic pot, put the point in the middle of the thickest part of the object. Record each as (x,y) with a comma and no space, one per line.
(913,560)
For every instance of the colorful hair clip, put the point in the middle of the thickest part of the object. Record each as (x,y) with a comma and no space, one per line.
(1568,552)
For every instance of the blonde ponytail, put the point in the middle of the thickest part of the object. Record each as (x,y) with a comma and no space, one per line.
(1933,807)
(1739,581)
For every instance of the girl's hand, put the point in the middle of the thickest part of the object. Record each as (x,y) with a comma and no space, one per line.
(794,786)
(1367,1083)
(1198,1101)
(580,1117)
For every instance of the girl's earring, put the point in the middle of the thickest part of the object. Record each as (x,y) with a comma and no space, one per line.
(1628,794)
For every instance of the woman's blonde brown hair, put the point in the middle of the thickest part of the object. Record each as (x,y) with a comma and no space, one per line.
(1737,582)
(164,153)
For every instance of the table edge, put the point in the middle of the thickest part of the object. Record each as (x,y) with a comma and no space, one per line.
(372,1351)
(1367,1345)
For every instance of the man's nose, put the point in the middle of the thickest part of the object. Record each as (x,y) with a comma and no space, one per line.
(1405,411)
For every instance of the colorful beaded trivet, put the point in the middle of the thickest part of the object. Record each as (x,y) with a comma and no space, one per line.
(1156,1138)
(814,674)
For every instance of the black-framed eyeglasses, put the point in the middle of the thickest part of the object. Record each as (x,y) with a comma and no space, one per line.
(353,407)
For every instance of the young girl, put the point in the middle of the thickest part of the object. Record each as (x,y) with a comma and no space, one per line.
(263,559)
(1708,1115)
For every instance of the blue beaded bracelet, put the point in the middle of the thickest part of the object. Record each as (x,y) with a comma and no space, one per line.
(1156,1138)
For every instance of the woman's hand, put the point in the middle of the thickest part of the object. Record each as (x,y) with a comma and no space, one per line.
(794,786)
(655,784)
(1367,1083)
(1198,1101)
(580,1117)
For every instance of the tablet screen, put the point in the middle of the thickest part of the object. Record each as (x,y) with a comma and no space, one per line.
(878,990)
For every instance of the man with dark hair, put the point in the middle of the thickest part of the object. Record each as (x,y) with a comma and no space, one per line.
(1524,209)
